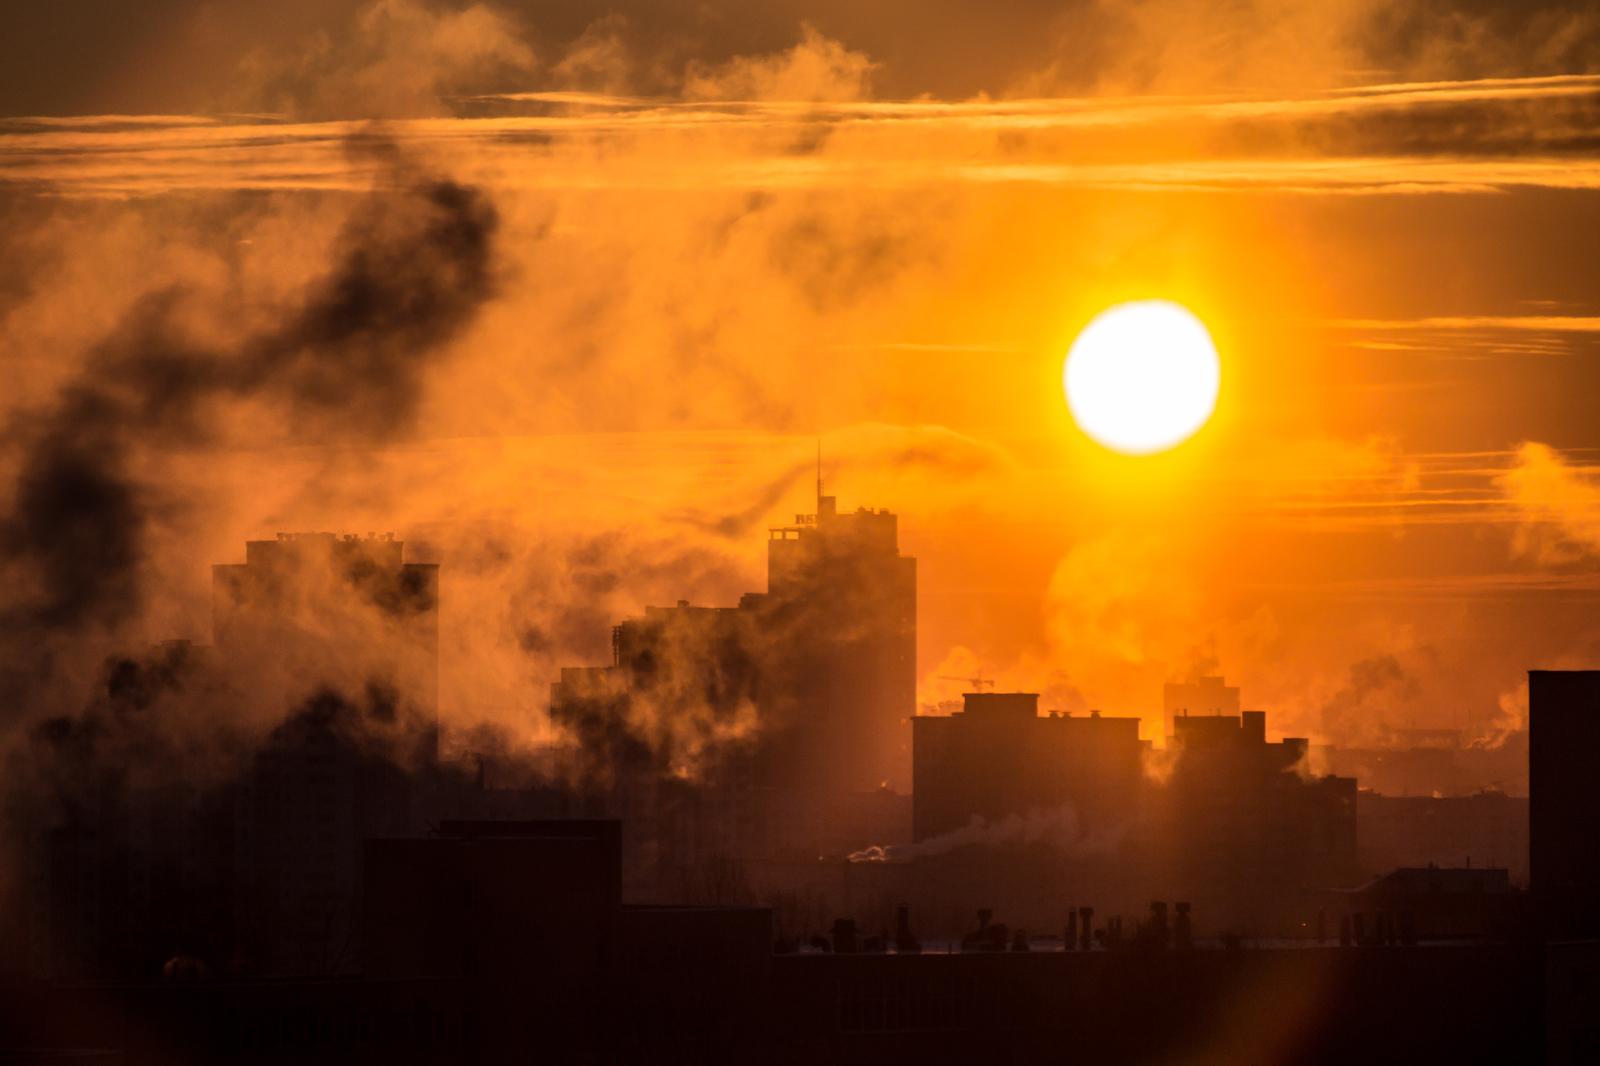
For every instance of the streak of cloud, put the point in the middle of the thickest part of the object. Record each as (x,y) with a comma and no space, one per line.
(1302,145)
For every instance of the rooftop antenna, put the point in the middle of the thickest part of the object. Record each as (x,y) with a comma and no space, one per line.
(819,475)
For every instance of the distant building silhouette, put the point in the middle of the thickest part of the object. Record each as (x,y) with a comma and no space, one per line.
(132,867)
(354,630)
(1207,696)
(1224,820)
(1438,903)
(840,622)
(998,757)
(1488,828)
(1250,839)
(317,609)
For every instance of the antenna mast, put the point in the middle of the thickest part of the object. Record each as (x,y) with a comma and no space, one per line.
(819,475)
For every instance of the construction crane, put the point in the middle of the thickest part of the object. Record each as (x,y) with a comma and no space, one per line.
(977,683)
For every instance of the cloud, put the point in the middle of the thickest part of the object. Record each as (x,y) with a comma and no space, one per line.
(1523,323)
(706,261)
(394,59)
(1557,504)
(1183,46)
(800,120)
(1512,720)
(816,70)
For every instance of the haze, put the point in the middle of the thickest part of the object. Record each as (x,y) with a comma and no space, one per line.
(722,234)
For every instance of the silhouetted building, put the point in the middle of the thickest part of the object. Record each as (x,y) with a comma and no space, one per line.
(1564,799)
(1207,696)
(816,676)
(1438,903)
(530,916)
(840,674)
(1252,842)
(625,760)
(255,866)
(775,728)
(129,866)
(315,610)
(345,635)
(1224,819)
(999,758)
(1486,828)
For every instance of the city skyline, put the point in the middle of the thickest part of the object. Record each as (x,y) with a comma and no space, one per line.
(1387,520)
(799,531)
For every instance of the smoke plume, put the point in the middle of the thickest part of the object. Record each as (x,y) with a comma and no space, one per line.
(1057,828)
(345,362)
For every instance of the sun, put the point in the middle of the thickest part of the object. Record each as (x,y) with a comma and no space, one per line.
(1142,377)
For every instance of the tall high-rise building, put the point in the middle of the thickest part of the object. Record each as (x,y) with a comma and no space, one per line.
(839,621)
(825,659)
(741,730)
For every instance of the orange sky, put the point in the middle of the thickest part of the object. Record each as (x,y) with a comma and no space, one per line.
(709,260)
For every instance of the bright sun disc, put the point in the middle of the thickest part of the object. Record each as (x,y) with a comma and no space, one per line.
(1142,377)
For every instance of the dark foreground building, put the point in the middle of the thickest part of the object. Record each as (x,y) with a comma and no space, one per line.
(1564,799)
(505,942)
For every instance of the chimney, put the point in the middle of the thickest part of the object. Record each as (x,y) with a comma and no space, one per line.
(1087,914)
(1071,941)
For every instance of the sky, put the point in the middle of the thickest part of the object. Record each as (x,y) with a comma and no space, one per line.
(649,255)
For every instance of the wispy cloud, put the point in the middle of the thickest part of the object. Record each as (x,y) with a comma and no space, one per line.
(1527,323)
(1316,144)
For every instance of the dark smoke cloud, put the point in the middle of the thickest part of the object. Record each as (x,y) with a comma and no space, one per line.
(414,263)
